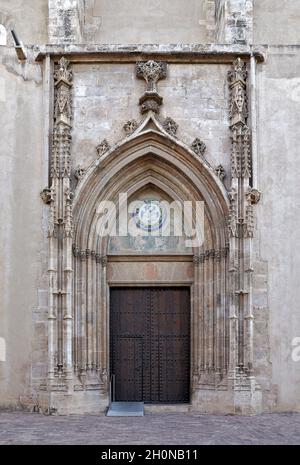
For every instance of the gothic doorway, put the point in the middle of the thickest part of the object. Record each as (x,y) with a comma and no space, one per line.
(150,343)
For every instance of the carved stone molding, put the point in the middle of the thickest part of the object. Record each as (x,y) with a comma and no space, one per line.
(152,72)
(102,148)
(130,126)
(198,147)
(170,126)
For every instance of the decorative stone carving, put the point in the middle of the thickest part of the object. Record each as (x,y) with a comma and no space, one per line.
(130,127)
(253,196)
(198,147)
(238,97)
(152,72)
(102,148)
(68,229)
(63,72)
(46,195)
(249,221)
(79,172)
(60,230)
(233,213)
(220,172)
(170,126)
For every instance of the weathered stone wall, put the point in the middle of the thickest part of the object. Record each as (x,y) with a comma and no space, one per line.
(148,21)
(278,224)
(276,22)
(21,220)
(28,18)
(107,95)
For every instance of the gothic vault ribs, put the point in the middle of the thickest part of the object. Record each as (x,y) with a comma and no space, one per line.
(152,72)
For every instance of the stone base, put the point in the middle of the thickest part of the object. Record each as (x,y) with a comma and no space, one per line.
(243,402)
(67,403)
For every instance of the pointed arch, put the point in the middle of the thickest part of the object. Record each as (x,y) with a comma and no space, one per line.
(151,156)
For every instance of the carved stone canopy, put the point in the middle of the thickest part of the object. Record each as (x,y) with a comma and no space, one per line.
(151,71)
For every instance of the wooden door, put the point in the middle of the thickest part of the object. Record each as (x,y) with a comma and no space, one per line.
(150,344)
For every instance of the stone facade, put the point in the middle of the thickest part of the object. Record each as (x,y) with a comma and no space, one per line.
(211,122)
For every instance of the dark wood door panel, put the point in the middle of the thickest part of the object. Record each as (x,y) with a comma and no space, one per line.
(127,360)
(150,343)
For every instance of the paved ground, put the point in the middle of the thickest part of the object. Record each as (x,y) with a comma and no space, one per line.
(191,429)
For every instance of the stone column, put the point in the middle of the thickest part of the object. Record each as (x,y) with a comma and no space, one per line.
(61,230)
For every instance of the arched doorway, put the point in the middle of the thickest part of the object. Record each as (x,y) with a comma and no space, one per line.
(149,165)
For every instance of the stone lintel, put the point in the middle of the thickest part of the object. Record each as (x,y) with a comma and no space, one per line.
(172,53)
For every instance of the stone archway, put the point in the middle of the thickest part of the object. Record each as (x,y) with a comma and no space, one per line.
(151,157)
(222,320)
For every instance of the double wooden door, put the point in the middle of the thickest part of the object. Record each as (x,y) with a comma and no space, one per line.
(150,344)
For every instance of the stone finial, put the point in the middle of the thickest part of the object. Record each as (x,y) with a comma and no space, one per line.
(220,172)
(62,72)
(102,148)
(170,126)
(152,72)
(130,126)
(198,147)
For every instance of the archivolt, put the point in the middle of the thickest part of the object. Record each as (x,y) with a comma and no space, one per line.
(149,157)
(152,158)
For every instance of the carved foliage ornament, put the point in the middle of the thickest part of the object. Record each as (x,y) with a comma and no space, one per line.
(102,148)
(79,172)
(151,71)
(170,126)
(62,71)
(198,147)
(130,126)
(220,172)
